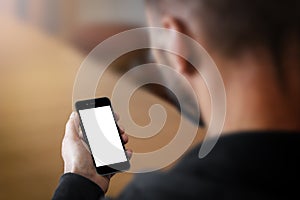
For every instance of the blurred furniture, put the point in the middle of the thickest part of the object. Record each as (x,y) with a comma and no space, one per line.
(36,82)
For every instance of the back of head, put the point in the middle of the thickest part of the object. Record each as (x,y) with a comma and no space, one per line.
(257,46)
(233,24)
(230,26)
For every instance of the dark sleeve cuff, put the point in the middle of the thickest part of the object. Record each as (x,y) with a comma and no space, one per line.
(73,186)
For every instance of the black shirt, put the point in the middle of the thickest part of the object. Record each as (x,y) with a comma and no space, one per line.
(246,165)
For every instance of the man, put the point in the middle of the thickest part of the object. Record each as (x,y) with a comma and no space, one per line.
(256,46)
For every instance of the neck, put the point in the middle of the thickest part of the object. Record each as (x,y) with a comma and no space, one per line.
(260,107)
(257,100)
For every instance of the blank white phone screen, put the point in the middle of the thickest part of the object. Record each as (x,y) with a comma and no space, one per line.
(103,135)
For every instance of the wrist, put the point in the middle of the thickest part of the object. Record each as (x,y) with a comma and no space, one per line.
(101,181)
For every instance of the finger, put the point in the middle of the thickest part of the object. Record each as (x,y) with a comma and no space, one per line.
(116,116)
(76,121)
(80,133)
(85,145)
(109,176)
(121,128)
(84,139)
(71,131)
(125,138)
(129,153)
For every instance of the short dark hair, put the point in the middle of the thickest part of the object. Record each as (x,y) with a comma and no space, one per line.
(232,25)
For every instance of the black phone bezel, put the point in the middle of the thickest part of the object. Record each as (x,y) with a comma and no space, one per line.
(94,103)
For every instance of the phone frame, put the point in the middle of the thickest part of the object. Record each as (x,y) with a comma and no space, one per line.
(94,103)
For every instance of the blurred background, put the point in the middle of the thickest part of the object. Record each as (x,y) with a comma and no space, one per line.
(81,21)
(42,44)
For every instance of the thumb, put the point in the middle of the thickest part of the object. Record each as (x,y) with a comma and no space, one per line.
(72,127)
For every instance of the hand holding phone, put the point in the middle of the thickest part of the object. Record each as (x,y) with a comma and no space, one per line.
(102,135)
(77,158)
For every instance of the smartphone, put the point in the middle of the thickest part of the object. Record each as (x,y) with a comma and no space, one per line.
(102,135)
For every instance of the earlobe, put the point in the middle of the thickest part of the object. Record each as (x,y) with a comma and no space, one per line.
(177,44)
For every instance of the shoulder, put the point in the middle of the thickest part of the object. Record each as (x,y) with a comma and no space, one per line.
(187,180)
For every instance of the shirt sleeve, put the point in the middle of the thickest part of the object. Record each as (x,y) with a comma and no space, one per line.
(73,186)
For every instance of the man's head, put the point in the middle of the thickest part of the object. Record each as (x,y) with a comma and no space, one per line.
(231,25)
(250,40)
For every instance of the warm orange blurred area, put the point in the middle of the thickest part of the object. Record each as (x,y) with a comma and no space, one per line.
(40,54)
(37,73)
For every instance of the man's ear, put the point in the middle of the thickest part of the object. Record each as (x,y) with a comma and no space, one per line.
(177,43)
